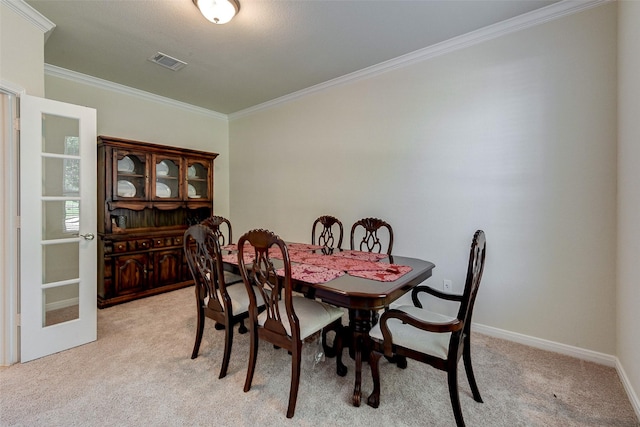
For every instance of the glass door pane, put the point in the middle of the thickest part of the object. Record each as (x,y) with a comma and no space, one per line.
(130,176)
(167,178)
(60,218)
(197,180)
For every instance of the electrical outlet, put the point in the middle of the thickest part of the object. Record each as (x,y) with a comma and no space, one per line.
(447,285)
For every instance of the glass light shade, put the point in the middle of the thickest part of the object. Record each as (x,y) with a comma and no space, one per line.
(218,11)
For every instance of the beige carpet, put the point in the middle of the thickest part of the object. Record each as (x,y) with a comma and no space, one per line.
(139,373)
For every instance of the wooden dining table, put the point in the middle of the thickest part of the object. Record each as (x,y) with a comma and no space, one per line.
(363,297)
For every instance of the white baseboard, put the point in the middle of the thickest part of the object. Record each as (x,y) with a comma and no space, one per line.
(61,304)
(633,397)
(568,350)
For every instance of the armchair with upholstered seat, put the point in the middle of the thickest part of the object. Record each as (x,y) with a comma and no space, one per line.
(438,340)
(288,319)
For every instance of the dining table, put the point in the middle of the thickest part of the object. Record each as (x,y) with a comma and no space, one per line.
(361,282)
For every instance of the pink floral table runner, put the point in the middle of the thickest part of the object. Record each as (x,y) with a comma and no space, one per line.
(314,267)
(312,273)
(365,256)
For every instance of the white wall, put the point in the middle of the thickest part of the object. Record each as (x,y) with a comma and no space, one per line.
(21,52)
(628,348)
(516,136)
(21,65)
(134,117)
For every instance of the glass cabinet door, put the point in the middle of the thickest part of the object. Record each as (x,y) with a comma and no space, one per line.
(130,175)
(167,177)
(198,179)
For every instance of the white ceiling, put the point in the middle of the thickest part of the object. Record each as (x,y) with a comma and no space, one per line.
(272,48)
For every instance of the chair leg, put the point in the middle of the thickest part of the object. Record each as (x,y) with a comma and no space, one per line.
(253,356)
(199,331)
(374,362)
(295,379)
(328,351)
(242,329)
(341,368)
(452,376)
(400,361)
(228,343)
(466,356)
(336,327)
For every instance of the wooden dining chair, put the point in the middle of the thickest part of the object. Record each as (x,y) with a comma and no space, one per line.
(218,224)
(227,305)
(288,319)
(367,229)
(430,337)
(327,227)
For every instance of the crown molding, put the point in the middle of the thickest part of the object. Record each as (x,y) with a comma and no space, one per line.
(10,87)
(63,73)
(31,15)
(527,20)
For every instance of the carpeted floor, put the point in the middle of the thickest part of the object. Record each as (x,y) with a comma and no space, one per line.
(139,373)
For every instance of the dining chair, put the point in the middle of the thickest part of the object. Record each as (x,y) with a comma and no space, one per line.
(432,338)
(370,241)
(218,224)
(328,227)
(288,319)
(227,305)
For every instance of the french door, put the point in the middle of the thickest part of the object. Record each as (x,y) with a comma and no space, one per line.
(57,226)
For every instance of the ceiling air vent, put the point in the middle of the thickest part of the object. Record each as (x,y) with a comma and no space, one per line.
(167,61)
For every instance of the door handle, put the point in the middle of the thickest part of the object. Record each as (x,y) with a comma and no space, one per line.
(88,236)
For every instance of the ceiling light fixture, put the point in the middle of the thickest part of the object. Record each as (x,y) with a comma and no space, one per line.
(218,11)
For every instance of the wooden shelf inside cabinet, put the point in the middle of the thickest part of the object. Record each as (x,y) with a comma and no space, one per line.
(148,194)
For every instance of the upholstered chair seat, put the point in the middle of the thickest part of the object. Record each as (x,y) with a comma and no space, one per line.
(313,315)
(407,336)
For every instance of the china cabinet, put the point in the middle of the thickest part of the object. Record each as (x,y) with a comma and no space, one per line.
(148,194)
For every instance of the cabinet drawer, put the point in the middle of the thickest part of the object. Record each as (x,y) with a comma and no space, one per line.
(140,244)
(177,241)
(119,247)
(161,242)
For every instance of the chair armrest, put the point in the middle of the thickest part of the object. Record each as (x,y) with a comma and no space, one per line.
(451,326)
(442,295)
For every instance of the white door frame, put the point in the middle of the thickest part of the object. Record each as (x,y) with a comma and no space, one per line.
(9,261)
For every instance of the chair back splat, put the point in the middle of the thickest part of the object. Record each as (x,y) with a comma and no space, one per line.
(217,223)
(370,241)
(328,227)
(288,319)
(432,338)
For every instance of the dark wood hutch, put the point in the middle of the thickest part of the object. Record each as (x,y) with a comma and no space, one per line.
(148,194)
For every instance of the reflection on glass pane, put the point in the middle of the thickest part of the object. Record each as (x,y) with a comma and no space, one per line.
(60,219)
(61,304)
(60,177)
(60,262)
(167,168)
(57,132)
